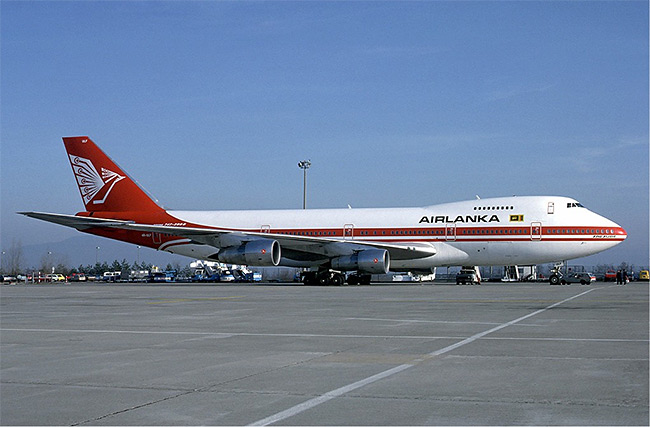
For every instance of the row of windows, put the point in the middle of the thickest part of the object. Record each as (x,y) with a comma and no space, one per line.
(451,231)
(500,231)
(583,231)
(309,233)
(493,208)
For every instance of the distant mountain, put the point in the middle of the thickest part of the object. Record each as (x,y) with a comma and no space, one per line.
(82,249)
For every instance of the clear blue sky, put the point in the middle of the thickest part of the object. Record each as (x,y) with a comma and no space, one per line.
(210,105)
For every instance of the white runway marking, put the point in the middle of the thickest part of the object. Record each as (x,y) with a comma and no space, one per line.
(427,321)
(253,334)
(328,396)
(385,374)
(113,331)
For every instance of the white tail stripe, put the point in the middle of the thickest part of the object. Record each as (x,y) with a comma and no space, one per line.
(90,182)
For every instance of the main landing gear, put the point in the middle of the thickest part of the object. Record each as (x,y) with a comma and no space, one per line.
(556,274)
(333,278)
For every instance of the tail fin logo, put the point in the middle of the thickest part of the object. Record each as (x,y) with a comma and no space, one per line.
(92,185)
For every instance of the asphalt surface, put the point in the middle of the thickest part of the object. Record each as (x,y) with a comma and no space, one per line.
(495,354)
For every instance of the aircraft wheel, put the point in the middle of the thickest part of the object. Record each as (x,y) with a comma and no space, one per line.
(554,279)
(365,280)
(324,279)
(337,279)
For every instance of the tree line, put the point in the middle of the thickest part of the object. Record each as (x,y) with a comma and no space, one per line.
(124,266)
(13,264)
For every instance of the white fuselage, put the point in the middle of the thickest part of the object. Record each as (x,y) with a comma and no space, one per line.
(498,231)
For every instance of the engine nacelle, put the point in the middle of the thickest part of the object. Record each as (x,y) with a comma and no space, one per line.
(373,261)
(259,253)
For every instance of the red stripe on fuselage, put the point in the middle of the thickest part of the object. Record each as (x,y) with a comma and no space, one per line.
(449,232)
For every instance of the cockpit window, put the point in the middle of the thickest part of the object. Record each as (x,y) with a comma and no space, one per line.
(574,205)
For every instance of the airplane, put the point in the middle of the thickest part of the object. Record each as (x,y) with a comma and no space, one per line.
(329,243)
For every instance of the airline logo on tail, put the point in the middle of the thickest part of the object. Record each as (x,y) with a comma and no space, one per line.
(91,184)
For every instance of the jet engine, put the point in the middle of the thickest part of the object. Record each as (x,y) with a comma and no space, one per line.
(372,261)
(260,253)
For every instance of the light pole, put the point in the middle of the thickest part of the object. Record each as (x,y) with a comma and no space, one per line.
(97,255)
(49,260)
(304,165)
(138,260)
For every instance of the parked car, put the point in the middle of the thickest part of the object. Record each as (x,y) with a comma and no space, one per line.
(644,275)
(582,278)
(78,277)
(54,277)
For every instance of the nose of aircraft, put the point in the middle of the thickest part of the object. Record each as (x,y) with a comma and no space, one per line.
(611,228)
(614,229)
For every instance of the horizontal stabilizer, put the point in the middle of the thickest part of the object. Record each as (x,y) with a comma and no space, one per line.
(78,222)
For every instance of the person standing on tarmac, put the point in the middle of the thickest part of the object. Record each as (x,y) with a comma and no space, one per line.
(619,277)
(624,277)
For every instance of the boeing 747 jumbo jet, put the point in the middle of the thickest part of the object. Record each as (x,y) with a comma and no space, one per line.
(330,242)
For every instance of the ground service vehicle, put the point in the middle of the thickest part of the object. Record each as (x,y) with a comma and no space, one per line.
(157,277)
(111,276)
(610,276)
(468,276)
(582,278)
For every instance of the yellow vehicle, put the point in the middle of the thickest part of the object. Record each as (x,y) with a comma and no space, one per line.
(644,275)
(54,278)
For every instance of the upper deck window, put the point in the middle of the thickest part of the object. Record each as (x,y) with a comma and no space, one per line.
(574,205)
(493,208)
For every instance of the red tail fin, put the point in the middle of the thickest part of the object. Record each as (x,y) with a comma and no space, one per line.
(103,185)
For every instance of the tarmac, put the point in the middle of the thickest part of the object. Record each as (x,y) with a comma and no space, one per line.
(287,354)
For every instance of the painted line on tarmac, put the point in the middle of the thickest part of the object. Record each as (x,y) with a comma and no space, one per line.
(112,331)
(295,410)
(427,321)
(254,334)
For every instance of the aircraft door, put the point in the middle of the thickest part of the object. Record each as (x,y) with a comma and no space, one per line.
(450,231)
(265,229)
(348,231)
(155,237)
(535,231)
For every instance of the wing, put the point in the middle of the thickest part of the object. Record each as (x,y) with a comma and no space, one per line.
(302,247)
